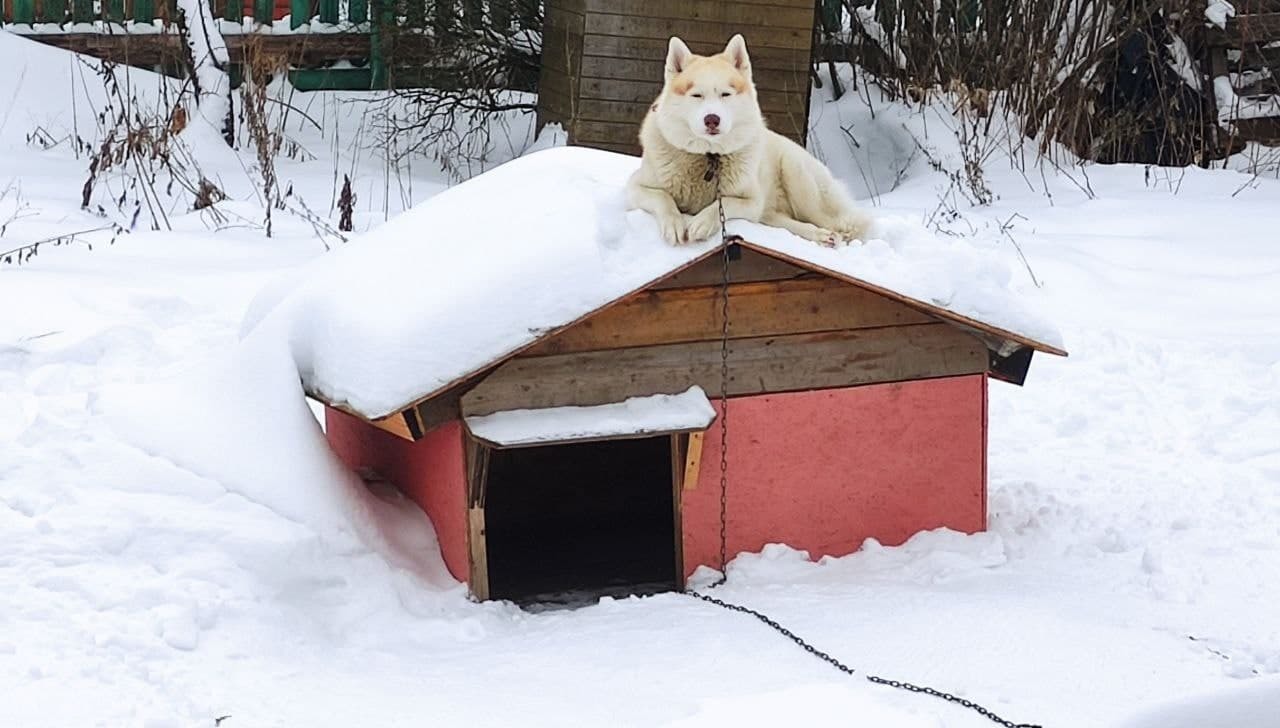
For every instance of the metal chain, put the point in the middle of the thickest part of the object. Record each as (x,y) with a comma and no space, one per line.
(924,690)
(713,174)
(713,168)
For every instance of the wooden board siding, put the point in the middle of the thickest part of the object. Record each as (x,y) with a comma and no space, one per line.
(768,308)
(759,365)
(744,267)
(602,61)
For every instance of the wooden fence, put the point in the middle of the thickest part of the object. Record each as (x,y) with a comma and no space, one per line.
(309,34)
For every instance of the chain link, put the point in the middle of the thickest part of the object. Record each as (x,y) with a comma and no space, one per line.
(837,664)
(713,175)
(713,168)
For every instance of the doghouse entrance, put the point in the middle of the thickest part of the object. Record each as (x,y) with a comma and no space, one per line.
(592,517)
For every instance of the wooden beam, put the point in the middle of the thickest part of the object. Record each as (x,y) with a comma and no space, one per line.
(757,366)
(678,447)
(766,308)
(397,424)
(935,311)
(747,267)
(300,49)
(477,472)
(478,546)
(693,460)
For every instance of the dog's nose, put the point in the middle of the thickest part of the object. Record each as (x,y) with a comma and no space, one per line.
(712,121)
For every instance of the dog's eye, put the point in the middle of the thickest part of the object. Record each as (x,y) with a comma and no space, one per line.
(725,94)
(696,96)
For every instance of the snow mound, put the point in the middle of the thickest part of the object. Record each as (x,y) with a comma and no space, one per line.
(487,267)
(1254,704)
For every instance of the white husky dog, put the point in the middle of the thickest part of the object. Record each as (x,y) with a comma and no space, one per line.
(708,106)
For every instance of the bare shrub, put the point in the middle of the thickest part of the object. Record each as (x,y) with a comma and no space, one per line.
(1099,77)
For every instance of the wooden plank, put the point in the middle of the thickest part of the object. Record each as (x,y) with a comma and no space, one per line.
(633,27)
(716,11)
(358,11)
(762,365)
(936,311)
(678,448)
(303,49)
(651,70)
(299,13)
(564,18)
(82,11)
(645,92)
(748,266)
(396,424)
(478,547)
(24,11)
(609,46)
(53,11)
(476,467)
(328,12)
(767,308)
(607,132)
(627,133)
(693,461)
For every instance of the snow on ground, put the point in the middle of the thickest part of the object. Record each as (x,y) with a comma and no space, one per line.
(1129,578)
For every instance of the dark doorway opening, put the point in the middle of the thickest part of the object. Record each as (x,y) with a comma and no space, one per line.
(568,523)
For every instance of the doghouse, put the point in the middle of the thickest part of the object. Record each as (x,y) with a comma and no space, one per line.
(589,456)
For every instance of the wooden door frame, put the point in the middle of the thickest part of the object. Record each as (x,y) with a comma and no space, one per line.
(477,453)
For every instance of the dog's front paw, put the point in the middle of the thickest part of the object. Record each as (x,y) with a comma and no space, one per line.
(852,227)
(673,228)
(703,226)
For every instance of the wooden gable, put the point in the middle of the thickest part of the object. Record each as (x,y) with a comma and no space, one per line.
(789,329)
(793,326)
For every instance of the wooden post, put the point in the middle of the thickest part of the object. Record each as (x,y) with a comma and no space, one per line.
(358,11)
(233,11)
(115,11)
(142,12)
(693,460)
(82,10)
(263,11)
(24,11)
(381,10)
(53,11)
(299,13)
(329,12)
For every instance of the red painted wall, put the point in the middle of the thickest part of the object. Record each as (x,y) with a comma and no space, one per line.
(431,471)
(822,471)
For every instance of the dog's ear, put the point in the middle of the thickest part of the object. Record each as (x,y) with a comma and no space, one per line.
(737,53)
(678,56)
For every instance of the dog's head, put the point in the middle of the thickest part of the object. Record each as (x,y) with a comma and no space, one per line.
(708,103)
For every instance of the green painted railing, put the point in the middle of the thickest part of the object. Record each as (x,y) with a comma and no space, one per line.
(442,16)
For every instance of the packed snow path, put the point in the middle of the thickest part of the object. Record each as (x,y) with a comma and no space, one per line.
(1133,558)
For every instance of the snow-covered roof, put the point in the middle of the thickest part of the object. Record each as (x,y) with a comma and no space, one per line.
(633,417)
(492,265)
